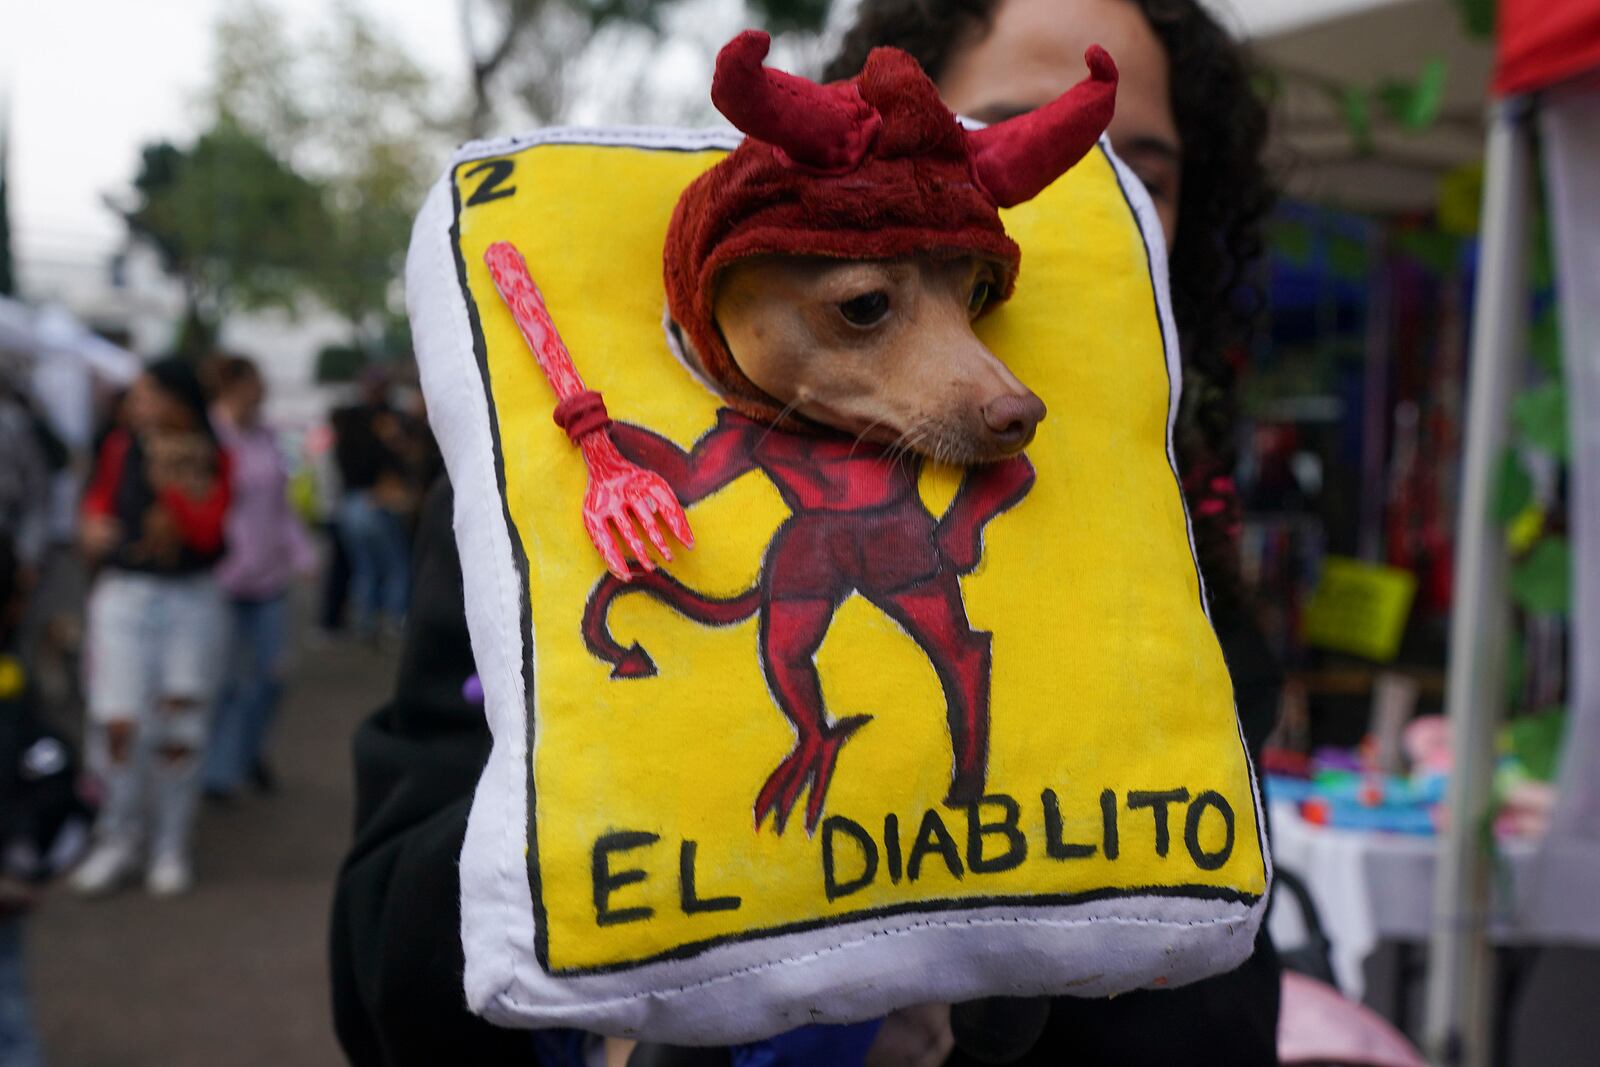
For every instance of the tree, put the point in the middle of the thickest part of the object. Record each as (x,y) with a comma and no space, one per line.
(347,106)
(230,220)
(525,50)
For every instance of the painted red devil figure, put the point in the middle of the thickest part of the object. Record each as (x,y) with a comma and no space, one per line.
(869,175)
(857,525)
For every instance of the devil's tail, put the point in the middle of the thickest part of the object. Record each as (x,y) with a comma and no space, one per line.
(635,662)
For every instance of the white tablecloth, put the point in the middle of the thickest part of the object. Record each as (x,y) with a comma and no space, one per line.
(1370,887)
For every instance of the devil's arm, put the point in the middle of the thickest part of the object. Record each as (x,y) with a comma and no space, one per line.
(985,493)
(720,456)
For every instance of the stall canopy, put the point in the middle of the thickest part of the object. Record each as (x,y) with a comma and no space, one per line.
(1542,42)
(1331,63)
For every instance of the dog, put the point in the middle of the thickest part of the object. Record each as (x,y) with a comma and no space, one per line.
(881,350)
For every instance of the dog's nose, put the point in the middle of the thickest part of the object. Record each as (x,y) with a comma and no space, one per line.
(1013,419)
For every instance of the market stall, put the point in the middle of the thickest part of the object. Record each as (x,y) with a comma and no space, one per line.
(1547,77)
(1432,541)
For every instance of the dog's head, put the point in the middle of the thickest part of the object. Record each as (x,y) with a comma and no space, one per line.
(830,268)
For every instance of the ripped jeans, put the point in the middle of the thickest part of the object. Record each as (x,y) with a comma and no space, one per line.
(154,646)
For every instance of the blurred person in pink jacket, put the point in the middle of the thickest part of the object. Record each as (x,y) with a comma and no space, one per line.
(267,548)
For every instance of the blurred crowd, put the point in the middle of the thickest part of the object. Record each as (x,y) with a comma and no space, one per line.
(147,606)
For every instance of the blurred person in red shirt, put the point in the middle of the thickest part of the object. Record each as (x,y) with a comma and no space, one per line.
(153,524)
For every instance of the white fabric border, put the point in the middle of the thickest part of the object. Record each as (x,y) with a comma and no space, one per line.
(1098,948)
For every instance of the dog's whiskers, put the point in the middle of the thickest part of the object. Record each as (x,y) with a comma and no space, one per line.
(861,438)
(788,409)
(912,440)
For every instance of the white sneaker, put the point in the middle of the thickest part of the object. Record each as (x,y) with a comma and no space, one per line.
(105,869)
(170,875)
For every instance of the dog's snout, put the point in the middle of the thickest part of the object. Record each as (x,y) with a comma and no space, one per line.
(1013,419)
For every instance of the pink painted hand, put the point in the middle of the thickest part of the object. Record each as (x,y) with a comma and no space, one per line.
(623,498)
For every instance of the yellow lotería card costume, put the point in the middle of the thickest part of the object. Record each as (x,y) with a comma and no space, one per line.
(613,876)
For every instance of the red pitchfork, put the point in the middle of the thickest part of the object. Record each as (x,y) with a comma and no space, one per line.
(620,493)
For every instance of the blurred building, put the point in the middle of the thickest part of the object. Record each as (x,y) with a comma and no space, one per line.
(127,297)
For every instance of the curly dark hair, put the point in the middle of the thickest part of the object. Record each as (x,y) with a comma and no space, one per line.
(1225,195)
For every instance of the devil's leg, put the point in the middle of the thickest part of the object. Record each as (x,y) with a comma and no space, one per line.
(935,616)
(792,631)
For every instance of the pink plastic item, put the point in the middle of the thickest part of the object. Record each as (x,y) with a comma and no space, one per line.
(1318,1026)
(620,493)
(1426,743)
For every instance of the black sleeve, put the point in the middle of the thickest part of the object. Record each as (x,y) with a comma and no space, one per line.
(1230,1020)
(1257,677)
(396,939)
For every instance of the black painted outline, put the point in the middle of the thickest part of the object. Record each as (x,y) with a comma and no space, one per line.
(687,950)
(519,557)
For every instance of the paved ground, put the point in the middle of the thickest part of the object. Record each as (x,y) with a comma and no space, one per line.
(233,974)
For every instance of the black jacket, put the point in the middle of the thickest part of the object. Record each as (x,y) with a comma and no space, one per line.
(44,821)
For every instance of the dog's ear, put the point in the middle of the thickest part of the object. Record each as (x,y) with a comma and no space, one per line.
(827,128)
(1016,159)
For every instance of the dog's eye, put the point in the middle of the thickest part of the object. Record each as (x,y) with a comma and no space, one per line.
(868,309)
(980,297)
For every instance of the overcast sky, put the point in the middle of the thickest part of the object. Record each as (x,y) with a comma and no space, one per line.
(90,81)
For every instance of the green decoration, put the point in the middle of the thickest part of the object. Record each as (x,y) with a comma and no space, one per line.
(1347,258)
(1415,105)
(1355,105)
(1542,582)
(1477,17)
(1542,261)
(1292,241)
(1439,252)
(1516,666)
(1427,96)
(1540,415)
(1545,341)
(1513,488)
(1536,742)
(1266,84)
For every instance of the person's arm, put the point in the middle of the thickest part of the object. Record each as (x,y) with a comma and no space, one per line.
(396,952)
(99,498)
(100,529)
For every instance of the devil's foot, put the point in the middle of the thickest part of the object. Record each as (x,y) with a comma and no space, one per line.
(811,762)
(966,787)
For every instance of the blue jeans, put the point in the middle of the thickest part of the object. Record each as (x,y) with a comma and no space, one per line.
(250,690)
(380,560)
(19,1044)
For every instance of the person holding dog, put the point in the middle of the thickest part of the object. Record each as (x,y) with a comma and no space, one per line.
(397,956)
(1190,128)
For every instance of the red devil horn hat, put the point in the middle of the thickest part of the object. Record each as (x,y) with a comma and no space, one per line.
(824,127)
(871,168)
(1016,159)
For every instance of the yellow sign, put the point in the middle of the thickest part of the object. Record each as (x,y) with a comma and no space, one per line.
(1008,695)
(1360,608)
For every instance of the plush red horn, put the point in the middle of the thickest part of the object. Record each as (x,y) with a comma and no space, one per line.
(824,127)
(1017,158)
